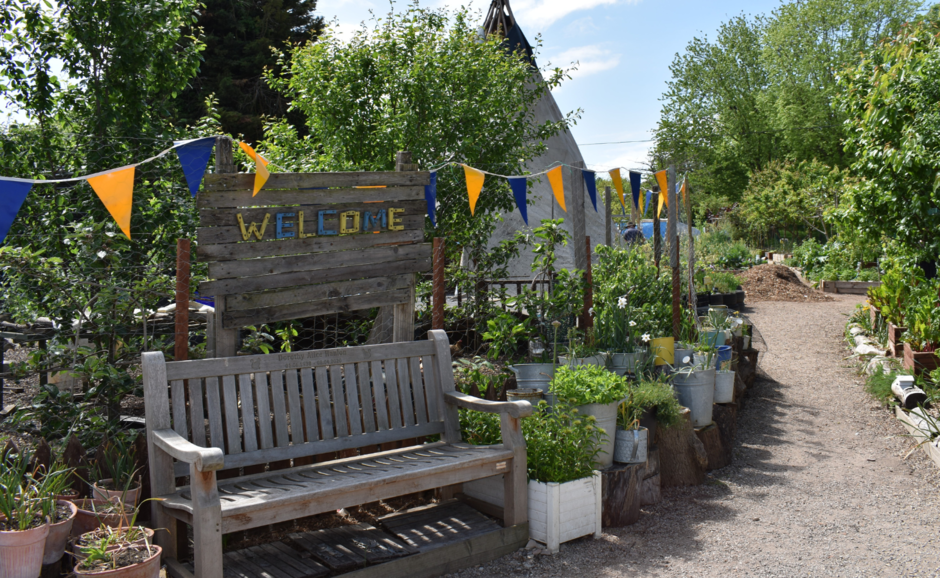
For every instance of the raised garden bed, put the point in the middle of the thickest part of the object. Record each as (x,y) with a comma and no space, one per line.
(919,361)
(848,287)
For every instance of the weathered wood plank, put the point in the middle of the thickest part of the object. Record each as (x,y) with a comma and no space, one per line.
(316,261)
(352,399)
(296,360)
(310,407)
(338,273)
(404,392)
(248,412)
(365,394)
(331,221)
(323,399)
(277,248)
(263,396)
(177,389)
(391,392)
(417,386)
(231,199)
(280,409)
(314,308)
(233,235)
(214,407)
(293,402)
(197,413)
(232,425)
(262,299)
(245,181)
(378,391)
(433,389)
(339,405)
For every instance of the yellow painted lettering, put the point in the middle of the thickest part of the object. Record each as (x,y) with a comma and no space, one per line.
(394,222)
(300,227)
(253,228)
(344,219)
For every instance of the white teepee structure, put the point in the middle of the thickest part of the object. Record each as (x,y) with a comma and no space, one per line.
(581,219)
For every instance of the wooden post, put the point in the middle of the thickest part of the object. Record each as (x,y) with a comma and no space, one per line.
(576,214)
(657,238)
(608,240)
(438,295)
(226,340)
(588,320)
(181,347)
(403,318)
(693,299)
(673,238)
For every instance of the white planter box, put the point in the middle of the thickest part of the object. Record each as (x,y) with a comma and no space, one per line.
(557,512)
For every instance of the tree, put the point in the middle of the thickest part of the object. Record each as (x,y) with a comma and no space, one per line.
(890,99)
(422,81)
(240,38)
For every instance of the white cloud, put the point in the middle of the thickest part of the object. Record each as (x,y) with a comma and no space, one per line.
(581,26)
(538,15)
(590,59)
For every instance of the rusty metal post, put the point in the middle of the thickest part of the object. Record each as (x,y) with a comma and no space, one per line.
(438,294)
(672,236)
(589,292)
(181,348)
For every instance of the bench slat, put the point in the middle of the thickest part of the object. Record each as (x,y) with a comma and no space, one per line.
(295,360)
(197,413)
(391,391)
(232,426)
(296,413)
(263,398)
(352,399)
(248,412)
(417,384)
(280,409)
(323,400)
(404,391)
(310,405)
(178,392)
(365,393)
(378,389)
(339,404)
(214,405)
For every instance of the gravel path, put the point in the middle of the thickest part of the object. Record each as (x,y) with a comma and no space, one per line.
(818,487)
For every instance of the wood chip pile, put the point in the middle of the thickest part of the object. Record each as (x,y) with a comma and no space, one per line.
(777,283)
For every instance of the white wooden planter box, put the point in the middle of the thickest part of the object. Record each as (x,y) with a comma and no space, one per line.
(557,512)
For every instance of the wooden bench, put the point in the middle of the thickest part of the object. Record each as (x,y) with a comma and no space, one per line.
(239,412)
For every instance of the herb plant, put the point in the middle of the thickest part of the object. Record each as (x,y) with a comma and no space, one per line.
(588,384)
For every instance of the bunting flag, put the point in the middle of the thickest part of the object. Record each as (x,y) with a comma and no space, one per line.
(556,180)
(590,180)
(430,197)
(116,191)
(261,167)
(663,191)
(649,201)
(194,158)
(660,202)
(12,195)
(685,190)
(519,186)
(475,180)
(618,184)
(635,182)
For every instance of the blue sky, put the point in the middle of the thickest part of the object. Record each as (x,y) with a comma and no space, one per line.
(624,48)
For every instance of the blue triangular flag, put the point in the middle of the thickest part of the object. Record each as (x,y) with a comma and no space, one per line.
(649,199)
(519,187)
(194,157)
(635,179)
(12,195)
(591,186)
(430,196)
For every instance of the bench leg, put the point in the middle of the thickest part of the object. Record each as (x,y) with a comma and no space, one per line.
(207,525)
(167,540)
(516,484)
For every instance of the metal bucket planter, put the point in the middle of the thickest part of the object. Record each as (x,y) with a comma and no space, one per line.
(631,446)
(724,355)
(622,363)
(533,375)
(58,535)
(712,338)
(696,391)
(664,350)
(600,359)
(721,309)
(21,552)
(605,415)
(682,351)
(529,394)
(724,386)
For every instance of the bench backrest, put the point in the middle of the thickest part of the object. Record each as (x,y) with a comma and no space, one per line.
(265,408)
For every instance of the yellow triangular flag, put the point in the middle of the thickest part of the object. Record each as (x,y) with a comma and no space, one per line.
(116,191)
(618,184)
(261,167)
(660,202)
(642,203)
(475,180)
(556,180)
(663,187)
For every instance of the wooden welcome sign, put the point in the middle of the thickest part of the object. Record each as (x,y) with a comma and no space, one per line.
(310,244)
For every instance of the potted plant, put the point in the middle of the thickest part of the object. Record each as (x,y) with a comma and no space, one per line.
(23,527)
(724,383)
(116,474)
(582,350)
(632,439)
(657,397)
(111,538)
(60,513)
(94,513)
(618,328)
(596,392)
(695,386)
(892,298)
(102,559)
(923,320)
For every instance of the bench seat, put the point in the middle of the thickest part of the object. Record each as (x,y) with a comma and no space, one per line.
(281,495)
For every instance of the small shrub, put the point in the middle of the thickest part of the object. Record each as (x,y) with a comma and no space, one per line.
(589,384)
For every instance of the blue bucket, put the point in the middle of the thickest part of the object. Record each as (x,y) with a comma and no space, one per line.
(724,354)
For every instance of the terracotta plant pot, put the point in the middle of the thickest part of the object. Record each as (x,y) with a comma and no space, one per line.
(149,568)
(129,497)
(90,536)
(59,535)
(21,552)
(88,519)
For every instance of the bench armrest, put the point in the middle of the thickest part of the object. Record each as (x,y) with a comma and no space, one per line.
(205,459)
(516,409)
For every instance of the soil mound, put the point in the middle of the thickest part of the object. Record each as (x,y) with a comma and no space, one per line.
(777,283)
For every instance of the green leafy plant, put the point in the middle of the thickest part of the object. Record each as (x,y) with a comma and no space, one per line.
(588,384)
(650,394)
(504,333)
(922,316)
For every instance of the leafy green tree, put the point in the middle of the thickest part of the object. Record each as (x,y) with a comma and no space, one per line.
(890,100)
(240,36)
